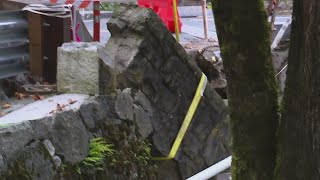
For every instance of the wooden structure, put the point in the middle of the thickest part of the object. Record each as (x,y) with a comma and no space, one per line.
(46,34)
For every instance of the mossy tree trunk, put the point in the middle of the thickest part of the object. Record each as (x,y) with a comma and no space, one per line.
(299,142)
(244,39)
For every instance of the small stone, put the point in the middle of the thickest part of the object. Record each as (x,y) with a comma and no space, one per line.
(124,105)
(141,99)
(143,121)
(48,144)
(57,161)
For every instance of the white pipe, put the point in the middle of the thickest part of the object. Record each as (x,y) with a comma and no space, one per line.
(212,170)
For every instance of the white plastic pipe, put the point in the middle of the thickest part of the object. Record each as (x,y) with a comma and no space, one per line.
(212,170)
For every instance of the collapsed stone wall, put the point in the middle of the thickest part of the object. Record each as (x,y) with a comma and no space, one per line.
(146,85)
(141,54)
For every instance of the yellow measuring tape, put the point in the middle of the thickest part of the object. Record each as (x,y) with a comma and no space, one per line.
(186,122)
(175,15)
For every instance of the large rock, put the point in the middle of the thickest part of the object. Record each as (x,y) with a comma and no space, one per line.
(143,55)
(14,138)
(69,137)
(92,112)
(33,162)
(78,68)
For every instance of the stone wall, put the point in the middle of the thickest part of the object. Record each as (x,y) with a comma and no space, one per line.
(143,55)
(42,148)
(146,85)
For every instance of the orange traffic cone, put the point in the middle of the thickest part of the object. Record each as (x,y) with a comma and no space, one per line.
(164,8)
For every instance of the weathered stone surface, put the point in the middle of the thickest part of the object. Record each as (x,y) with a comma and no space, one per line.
(91,112)
(224,176)
(2,164)
(42,127)
(143,122)
(141,99)
(77,70)
(124,105)
(143,55)
(48,145)
(43,108)
(3,95)
(33,162)
(14,138)
(69,137)
(57,161)
(168,170)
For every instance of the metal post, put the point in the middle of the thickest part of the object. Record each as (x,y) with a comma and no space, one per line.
(96,20)
(74,23)
(205,18)
(176,22)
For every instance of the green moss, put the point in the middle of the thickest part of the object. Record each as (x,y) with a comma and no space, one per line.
(4,125)
(136,155)
(130,155)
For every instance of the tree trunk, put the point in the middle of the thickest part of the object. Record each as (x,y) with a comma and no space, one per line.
(299,144)
(244,38)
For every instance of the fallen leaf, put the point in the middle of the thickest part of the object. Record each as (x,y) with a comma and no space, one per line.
(20,96)
(72,101)
(37,97)
(63,106)
(6,106)
(60,107)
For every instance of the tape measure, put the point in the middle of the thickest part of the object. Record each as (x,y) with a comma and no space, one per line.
(187,120)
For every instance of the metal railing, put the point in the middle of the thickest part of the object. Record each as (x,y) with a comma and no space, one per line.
(13,42)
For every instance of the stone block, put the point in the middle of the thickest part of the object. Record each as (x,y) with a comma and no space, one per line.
(78,68)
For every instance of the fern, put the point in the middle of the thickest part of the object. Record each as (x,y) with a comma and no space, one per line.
(99,150)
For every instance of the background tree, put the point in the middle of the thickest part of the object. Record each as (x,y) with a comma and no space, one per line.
(244,41)
(299,144)
(244,38)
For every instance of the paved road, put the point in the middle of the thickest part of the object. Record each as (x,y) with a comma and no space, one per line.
(192,28)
